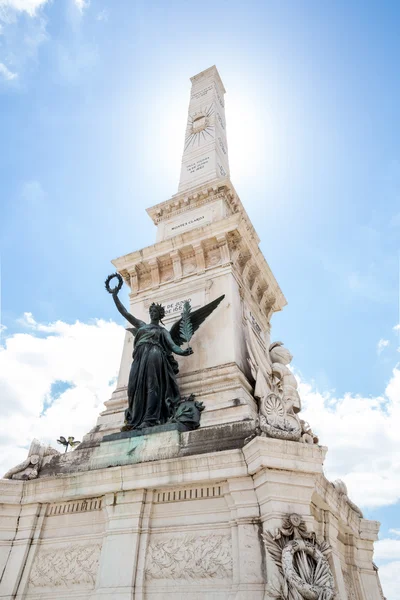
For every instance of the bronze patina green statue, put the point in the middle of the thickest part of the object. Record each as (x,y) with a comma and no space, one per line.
(153,391)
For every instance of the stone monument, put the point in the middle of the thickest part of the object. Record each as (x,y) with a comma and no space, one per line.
(200,479)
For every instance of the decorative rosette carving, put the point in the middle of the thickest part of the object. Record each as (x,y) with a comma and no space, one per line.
(276,421)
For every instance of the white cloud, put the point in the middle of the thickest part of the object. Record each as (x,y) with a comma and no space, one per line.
(6,73)
(397,327)
(103,15)
(84,357)
(389,575)
(388,552)
(382,344)
(387,549)
(362,438)
(23,31)
(28,6)
(82,4)
(395,532)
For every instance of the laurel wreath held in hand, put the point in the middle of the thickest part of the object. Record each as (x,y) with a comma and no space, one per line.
(119,285)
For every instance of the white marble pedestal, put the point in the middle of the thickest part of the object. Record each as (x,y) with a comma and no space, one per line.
(188,527)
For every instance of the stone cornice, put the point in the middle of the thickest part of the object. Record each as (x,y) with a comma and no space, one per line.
(155,474)
(229,241)
(197,197)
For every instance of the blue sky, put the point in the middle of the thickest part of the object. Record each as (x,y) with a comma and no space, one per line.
(93,103)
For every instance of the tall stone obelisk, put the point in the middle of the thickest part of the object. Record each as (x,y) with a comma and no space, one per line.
(205,155)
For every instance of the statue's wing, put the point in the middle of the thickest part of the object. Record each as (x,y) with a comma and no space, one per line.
(197,317)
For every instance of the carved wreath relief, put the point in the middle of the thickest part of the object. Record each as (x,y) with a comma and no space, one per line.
(190,558)
(67,567)
(303,570)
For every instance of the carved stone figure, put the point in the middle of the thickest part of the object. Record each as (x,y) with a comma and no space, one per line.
(30,467)
(276,392)
(302,567)
(281,357)
(153,391)
(307,435)
(188,413)
(342,489)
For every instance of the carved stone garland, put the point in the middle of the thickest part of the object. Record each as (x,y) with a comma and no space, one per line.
(303,570)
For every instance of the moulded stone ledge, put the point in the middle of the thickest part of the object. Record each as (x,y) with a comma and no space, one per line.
(263,452)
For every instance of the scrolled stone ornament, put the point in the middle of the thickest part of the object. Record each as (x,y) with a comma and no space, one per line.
(119,285)
(276,421)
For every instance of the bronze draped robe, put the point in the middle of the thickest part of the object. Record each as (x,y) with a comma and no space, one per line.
(152,386)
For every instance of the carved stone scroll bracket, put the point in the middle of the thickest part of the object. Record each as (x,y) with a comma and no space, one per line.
(155,272)
(200,258)
(224,248)
(301,562)
(134,281)
(177,264)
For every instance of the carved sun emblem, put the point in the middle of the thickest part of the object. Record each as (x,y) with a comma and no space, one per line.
(199,128)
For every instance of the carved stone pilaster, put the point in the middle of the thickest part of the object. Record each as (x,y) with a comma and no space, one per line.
(119,553)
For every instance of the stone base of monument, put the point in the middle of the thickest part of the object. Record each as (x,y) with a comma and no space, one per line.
(153,443)
(177,524)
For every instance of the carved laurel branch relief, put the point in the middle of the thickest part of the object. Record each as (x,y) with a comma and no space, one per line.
(68,567)
(302,566)
(190,558)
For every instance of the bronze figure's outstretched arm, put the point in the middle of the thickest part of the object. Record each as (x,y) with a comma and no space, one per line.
(121,308)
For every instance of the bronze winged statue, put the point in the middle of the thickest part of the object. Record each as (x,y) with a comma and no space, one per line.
(153,391)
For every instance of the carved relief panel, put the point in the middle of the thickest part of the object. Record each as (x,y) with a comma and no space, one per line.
(189,557)
(68,567)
